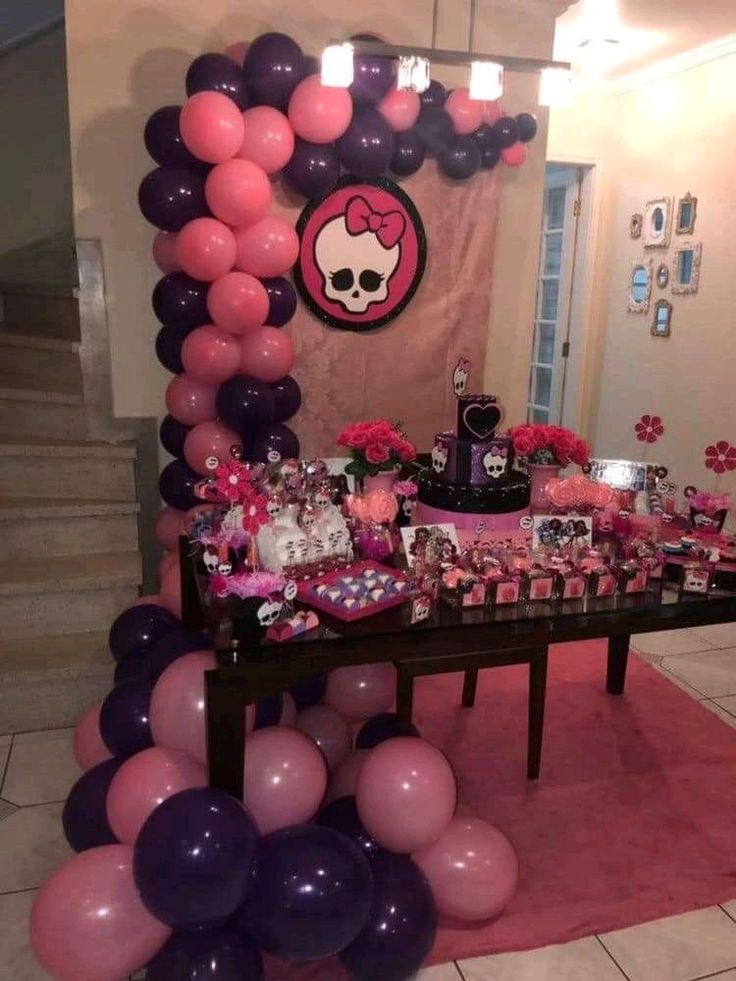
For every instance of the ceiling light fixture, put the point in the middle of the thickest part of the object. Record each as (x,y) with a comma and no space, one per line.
(555,87)
(413,74)
(337,65)
(486,81)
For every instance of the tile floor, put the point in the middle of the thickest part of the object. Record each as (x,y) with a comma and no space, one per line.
(37,770)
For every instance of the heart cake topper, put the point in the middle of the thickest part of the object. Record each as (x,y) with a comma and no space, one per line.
(479,416)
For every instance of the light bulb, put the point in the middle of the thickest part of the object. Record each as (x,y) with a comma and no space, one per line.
(413,74)
(337,65)
(486,81)
(555,86)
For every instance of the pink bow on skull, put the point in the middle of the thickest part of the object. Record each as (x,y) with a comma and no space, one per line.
(360,217)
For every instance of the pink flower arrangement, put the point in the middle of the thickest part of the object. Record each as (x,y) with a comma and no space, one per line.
(374,447)
(552,445)
(247,584)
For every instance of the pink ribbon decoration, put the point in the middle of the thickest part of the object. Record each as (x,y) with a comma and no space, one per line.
(360,217)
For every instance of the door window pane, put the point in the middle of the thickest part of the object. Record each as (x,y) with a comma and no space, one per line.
(556,207)
(542,385)
(548,299)
(546,334)
(540,415)
(553,254)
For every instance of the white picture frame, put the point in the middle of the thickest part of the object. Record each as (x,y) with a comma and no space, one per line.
(657,227)
(562,530)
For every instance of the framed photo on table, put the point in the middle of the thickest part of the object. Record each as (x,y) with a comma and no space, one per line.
(561,530)
(443,537)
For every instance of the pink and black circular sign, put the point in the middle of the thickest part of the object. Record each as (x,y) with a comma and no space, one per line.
(362,255)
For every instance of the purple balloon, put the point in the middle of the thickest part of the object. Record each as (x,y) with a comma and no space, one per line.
(84,817)
(373,75)
(273,66)
(131,667)
(408,154)
(276,438)
(527,124)
(487,142)
(180,301)
(245,404)
(288,398)
(209,955)
(434,96)
(124,722)
(342,815)
(314,168)
(139,629)
(268,711)
(507,131)
(170,198)
(281,300)
(194,858)
(170,648)
(168,347)
(380,727)
(461,159)
(172,434)
(435,130)
(162,137)
(311,894)
(217,73)
(401,925)
(310,691)
(176,484)
(365,148)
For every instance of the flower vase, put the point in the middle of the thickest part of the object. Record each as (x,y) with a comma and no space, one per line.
(540,474)
(384,480)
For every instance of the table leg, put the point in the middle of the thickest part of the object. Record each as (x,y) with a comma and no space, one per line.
(225,734)
(618,655)
(404,697)
(537,690)
(469,687)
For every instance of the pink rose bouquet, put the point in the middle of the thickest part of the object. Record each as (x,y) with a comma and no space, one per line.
(554,445)
(375,446)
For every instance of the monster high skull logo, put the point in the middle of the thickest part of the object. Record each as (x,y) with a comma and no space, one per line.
(494,462)
(439,458)
(268,612)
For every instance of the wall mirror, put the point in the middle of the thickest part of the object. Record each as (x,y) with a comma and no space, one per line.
(657,223)
(663,275)
(662,319)
(635,223)
(687,208)
(640,286)
(686,268)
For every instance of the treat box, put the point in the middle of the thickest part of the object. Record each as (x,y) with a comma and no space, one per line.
(370,594)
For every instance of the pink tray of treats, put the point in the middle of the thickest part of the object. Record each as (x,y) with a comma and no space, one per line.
(359,591)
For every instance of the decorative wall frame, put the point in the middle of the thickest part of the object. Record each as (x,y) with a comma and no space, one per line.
(687,209)
(640,285)
(686,267)
(635,224)
(662,319)
(657,223)
(663,275)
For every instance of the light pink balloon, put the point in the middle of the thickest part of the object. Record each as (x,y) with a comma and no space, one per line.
(400,108)
(266,353)
(268,140)
(288,711)
(189,400)
(319,113)
(164,252)
(238,303)
(514,155)
(169,525)
(472,869)
(344,779)
(205,249)
(268,248)
(145,781)
(361,691)
(237,51)
(168,561)
(206,440)
(238,192)
(210,354)
(170,591)
(87,744)
(329,730)
(285,777)
(466,113)
(211,127)
(178,705)
(406,794)
(88,922)
(491,112)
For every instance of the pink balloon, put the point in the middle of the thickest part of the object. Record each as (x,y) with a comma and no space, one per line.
(319,113)
(190,400)
(238,192)
(268,140)
(88,922)
(268,248)
(514,155)
(211,127)
(361,691)
(169,525)
(237,51)
(87,744)
(466,113)
(285,777)
(267,353)
(205,249)
(491,112)
(210,354)
(206,440)
(237,302)
(164,252)
(178,705)
(145,781)
(288,712)
(406,794)
(171,588)
(344,779)
(329,730)
(168,561)
(400,108)
(472,869)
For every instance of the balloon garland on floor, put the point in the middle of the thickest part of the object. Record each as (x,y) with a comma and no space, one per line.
(169,873)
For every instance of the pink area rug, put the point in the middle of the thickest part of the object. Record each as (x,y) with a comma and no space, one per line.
(633,816)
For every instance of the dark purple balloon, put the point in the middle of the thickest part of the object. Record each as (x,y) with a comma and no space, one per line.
(85,816)
(281,300)
(435,130)
(527,124)
(310,691)
(138,629)
(288,397)
(408,154)
(194,858)
(342,815)
(172,434)
(486,140)
(207,955)
(276,438)
(131,667)
(180,301)
(461,159)
(379,728)
(373,75)
(314,168)
(217,73)
(365,148)
(170,648)
(168,347)
(434,96)
(124,722)
(273,66)
(170,197)
(268,711)
(162,137)
(507,131)
(311,894)
(245,404)
(176,485)
(401,924)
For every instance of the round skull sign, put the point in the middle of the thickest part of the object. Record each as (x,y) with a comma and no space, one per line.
(362,254)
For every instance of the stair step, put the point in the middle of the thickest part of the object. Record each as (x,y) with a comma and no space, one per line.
(43,468)
(70,573)
(64,421)
(30,527)
(38,343)
(43,313)
(32,365)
